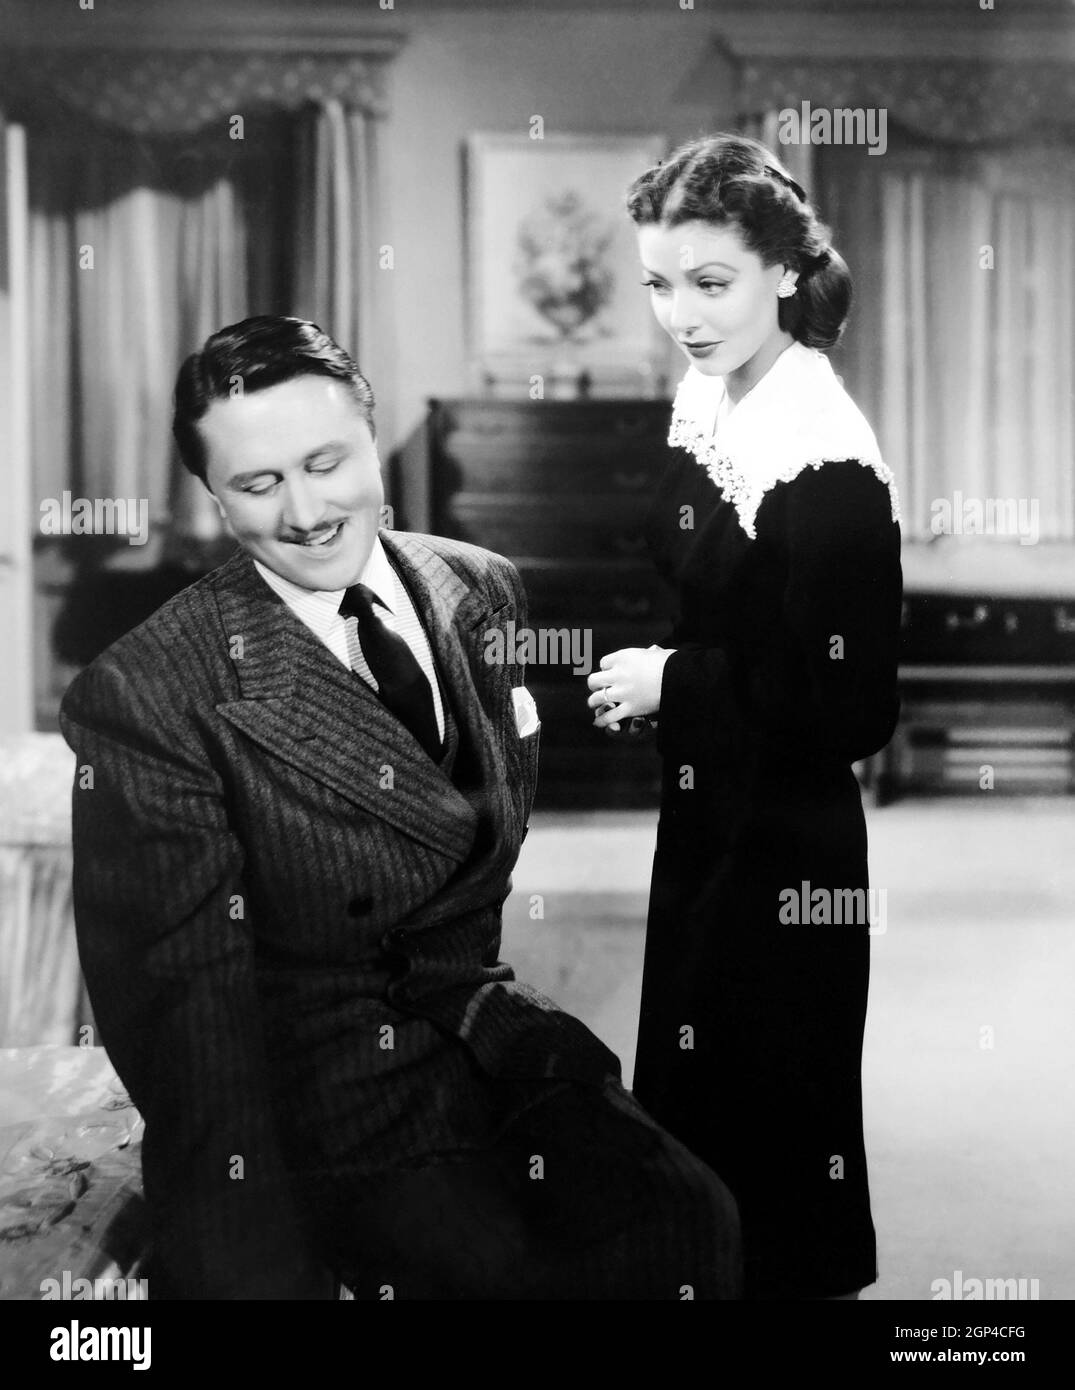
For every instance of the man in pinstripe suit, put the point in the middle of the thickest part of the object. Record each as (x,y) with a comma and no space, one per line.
(289,907)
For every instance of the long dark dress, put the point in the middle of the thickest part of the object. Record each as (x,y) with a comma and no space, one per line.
(751,1029)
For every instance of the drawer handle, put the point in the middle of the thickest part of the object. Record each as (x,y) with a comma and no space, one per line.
(953,622)
(1062,621)
(632,607)
(630,545)
(631,481)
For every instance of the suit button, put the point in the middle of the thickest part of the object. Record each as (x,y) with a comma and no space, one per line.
(359,907)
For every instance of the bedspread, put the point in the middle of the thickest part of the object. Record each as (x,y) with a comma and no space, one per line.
(72,1219)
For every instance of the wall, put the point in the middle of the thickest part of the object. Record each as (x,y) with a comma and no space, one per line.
(462,73)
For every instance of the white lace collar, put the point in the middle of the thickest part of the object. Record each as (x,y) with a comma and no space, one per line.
(797,416)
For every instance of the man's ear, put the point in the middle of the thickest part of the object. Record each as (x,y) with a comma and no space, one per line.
(226,524)
(216,500)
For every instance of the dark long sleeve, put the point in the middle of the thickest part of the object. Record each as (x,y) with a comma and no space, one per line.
(813,667)
(166,944)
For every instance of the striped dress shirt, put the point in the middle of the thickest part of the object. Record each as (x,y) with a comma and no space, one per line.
(319,609)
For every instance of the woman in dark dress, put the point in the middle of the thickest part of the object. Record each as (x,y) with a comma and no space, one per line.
(777,523)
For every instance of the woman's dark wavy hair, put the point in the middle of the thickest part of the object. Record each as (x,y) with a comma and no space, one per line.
(732,180)
(259,352)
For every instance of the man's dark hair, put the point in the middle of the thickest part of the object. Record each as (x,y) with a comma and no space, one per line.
(253,355)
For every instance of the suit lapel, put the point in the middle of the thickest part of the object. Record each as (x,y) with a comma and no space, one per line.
(454,614)
(304,707)
(457,615)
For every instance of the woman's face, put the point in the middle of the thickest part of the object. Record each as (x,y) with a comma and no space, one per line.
(715,298)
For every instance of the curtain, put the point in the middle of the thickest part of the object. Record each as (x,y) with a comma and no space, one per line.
(797,159)
(140,248)
(960,99)
(961,345)
(335,258)
(212,292)
(16,599)
(136,254)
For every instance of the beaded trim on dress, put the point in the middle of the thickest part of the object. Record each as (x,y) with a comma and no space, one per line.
(797,416)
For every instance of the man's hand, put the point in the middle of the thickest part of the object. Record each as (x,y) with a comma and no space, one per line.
(627,685)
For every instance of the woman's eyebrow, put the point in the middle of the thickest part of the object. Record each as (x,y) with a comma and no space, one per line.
(695,269)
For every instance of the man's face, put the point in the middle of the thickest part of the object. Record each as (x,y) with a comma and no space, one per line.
(295,472)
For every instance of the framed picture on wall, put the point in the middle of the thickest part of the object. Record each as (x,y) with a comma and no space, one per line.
(553,277)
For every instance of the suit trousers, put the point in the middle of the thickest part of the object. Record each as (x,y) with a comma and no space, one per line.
(582,1196)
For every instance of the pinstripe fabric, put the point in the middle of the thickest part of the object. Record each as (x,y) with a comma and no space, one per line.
(287,911)
(621,1211)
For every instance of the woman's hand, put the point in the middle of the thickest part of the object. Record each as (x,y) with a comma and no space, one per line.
(627,685)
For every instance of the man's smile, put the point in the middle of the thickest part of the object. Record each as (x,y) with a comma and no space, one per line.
(323,540)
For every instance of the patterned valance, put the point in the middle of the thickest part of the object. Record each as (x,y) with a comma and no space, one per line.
(953,100)
(176,93)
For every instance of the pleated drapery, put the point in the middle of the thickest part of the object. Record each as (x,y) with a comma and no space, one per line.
(140,248)
(796,157)
(335,258)
(961,345)
(16,561)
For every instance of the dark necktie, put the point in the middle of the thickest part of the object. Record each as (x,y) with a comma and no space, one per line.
(402,685)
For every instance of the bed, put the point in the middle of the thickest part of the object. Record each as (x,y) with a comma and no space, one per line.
(72,1217)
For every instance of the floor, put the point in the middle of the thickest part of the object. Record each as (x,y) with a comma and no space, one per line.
(969,1065)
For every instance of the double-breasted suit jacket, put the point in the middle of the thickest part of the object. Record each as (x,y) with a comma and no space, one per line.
(289,914)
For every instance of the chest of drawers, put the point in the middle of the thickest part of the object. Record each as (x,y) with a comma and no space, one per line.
(562,488)
(987,690)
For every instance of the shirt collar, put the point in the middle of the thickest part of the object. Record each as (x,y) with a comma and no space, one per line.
(377,575)
(796,417)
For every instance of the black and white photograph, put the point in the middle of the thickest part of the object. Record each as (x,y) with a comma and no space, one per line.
(537,731)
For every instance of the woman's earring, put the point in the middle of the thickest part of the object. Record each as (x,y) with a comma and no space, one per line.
(786,288)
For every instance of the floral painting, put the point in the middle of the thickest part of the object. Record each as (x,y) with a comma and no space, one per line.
(554,276)
(563,266)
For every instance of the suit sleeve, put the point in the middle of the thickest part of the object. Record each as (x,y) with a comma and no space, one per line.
(822,680)
(167,951)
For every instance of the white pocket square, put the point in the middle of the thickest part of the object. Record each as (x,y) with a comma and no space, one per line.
(526,715)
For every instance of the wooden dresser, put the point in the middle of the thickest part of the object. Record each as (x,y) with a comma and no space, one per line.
(562,488)
(987,670)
